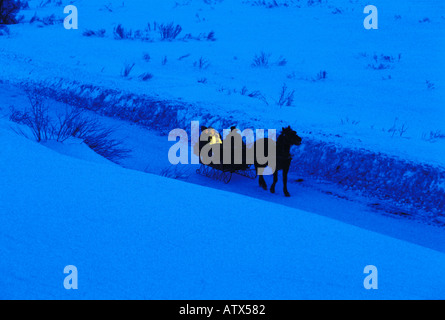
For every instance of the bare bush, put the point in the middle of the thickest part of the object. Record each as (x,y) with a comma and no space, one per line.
(430,85)
(281,62)
(383,61)
(169,31)
(99,139)
(146,57)
(8,11)
(270,4)
(37,118)
(433,136)
(322,75)
(380,66)
(273,3)
(146,76)
(201,36)
(254,94)
(261,60)
(286,97)
(71,123)
(258,95)
(348,121)
(91,33)
(67,124)
(47,3)
(46,21)
(121,33)
(211,36)
(175,172)
(126,70)
(202,63)
(399,129)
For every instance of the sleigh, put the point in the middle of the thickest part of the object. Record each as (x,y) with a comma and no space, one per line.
(221,171)
(224,172)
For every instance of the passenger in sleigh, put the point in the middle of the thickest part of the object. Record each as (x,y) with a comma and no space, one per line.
(209,147)
(227,155)
(234,152)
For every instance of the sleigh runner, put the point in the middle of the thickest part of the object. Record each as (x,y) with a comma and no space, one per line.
(221,172)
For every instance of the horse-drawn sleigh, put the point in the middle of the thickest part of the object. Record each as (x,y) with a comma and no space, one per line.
(220,159)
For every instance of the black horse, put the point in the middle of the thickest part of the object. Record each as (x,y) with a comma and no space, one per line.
(285,141)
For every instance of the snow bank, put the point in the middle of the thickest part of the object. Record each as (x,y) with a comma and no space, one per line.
(126,235)
(76,148)
(417,185)
(413,184)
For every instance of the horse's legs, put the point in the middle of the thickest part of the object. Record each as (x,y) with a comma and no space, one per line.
(286,192)
(262,182)
(275,180)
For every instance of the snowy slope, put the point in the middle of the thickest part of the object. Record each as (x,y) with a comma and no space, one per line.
(135,235)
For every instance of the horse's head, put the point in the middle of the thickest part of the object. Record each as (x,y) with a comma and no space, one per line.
(290,136)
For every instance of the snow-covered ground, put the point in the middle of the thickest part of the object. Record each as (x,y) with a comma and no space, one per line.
(396,109)
(367,103)
(63,204)
(133,234)
(149,150)
(123,231)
